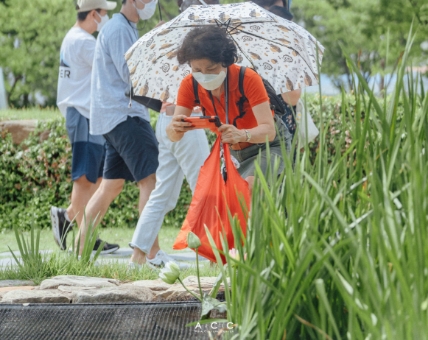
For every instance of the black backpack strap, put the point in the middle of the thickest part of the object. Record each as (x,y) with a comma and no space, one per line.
(195,92)
(241,82)
(243,99)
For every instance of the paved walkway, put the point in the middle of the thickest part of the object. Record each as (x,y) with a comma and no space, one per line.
(119,256)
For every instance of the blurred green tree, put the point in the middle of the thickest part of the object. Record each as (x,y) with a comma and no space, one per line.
(31,32)
(374,32)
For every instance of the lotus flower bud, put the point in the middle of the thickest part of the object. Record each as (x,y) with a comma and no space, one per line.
(234,254)
(193,241)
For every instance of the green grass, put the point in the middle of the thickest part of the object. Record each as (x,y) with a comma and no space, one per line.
(66,264)
(121,236)
(30,113)
(39,267)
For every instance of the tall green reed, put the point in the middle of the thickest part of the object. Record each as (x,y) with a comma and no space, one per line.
(34,265)
(30,263)
(87,254)
(335,248)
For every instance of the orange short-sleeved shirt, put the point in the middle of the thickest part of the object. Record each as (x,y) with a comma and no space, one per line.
(253,88)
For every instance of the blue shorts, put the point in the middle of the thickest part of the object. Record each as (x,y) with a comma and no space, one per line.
(88,151)
(131,151)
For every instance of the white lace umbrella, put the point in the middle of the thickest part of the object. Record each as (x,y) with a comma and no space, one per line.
(279,50)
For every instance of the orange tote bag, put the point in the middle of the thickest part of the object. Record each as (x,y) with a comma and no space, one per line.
(214,197)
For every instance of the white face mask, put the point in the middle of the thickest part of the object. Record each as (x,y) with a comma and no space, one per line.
(148,10)
(209,81)
(103,21)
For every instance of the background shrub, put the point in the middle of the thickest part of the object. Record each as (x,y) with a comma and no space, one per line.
(36,174)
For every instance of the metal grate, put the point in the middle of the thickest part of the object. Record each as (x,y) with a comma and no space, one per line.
(161,321)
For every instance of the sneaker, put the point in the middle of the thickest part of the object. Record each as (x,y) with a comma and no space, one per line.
(60,227)
(108,247)
(160,260)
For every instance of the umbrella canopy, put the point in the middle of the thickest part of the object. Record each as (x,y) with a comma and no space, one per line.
(279,50)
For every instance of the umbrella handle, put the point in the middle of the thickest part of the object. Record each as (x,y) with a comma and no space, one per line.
(226,96)
(160,11)
(286,4)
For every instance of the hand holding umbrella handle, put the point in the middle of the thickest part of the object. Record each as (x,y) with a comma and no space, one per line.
(160,14)
(232,135)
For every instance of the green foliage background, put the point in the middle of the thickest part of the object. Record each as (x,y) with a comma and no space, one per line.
(36,174)
(374,32)
(30,36)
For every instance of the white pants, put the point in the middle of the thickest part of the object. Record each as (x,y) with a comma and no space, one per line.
(176,160)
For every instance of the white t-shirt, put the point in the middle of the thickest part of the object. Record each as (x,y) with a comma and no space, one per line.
(74,79)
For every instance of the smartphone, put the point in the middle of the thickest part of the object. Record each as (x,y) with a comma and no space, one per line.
(203,122)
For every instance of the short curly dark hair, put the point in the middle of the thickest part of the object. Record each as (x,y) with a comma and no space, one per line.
(208,42)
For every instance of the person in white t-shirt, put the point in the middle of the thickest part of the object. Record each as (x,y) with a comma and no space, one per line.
(73,100)
(175,163)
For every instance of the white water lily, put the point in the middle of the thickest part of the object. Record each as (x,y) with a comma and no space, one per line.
(170,273)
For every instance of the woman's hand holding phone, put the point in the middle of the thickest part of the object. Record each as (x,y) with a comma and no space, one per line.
(180,125)
(203,122)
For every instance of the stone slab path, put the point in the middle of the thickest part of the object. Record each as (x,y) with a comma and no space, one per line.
(119,256)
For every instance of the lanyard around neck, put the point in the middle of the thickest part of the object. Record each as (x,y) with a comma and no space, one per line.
(226,96)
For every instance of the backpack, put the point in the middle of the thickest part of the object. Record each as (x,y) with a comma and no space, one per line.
(275,101)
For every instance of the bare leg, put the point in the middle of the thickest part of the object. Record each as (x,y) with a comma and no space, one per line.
(97,206)
(80,196)
(138,256)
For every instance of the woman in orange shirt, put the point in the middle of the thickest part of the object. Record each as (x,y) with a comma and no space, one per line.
(211,55)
